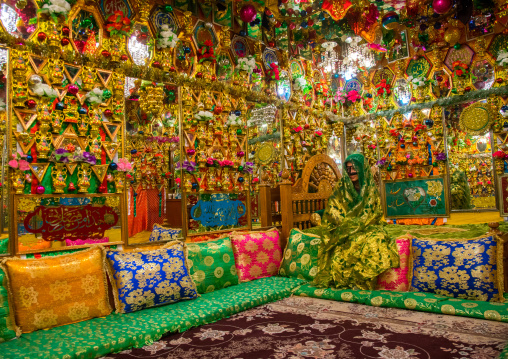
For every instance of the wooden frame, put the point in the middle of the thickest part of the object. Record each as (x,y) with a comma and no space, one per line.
(14,221)
(445,195)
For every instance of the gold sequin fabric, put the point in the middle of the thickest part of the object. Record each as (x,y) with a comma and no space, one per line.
(355,247)
(466,269)
(53,291)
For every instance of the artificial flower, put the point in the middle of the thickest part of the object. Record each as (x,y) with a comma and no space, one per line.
(123,165)
(502,58)
(247,64)
(167,38)
(203,116)
(44,90)
(353,96)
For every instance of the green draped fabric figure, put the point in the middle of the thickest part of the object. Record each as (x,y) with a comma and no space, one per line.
(356,248)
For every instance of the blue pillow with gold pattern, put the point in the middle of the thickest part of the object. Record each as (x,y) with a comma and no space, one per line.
(467,269)
(150,278)
(160,233)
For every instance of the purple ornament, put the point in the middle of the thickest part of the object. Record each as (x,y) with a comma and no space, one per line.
(40,189)
(441,6)
(248,13)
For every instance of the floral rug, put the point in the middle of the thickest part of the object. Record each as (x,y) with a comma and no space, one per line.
(301,328)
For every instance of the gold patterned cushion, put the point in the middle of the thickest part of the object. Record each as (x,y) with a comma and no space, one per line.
(468,269)
(53,291)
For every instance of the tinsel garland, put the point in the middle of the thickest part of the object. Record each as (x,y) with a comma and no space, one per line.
(146,73)
(273,137)
(447,101)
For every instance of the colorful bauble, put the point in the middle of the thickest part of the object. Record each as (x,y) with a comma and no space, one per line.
(103,189)
(82,111)
(71,187)
(34,80)
(113,166)
(59,106)
(124,57)
(40,189)
(65,41)
(108,112)
(30,103)
(391,21)
(105,53)
(73,89)
(442,6)
(134,151)
(452,35)
(239,131)
(66,31)
(240,179)
(41,36)
(29,159)
(248,13)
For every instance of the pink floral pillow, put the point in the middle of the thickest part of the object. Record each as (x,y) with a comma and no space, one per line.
(396,278)
(257,254)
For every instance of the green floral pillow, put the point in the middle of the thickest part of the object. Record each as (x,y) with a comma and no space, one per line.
(212,265)
(301,256)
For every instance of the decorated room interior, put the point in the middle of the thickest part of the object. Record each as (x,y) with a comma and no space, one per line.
(254,179)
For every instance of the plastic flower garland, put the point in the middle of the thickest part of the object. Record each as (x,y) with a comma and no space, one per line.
(417,81)
(206,52)
(188,166)
(247,64)
(43,90)
(383,88)
(123,165)
(273,72)
(340,96)
(301,84)
(167,38)
(499,155)
(353,96)
(55,8)
(322,87)
(18,162)
(118,24)
(204,116)
(459,68)
(98,96)
(234,120)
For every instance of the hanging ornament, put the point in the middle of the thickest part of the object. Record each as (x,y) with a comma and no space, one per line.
(65,41)
(40,189)
(391,21)
(441,6)
(71,187)
(248,13)
(41,36)
(452,35)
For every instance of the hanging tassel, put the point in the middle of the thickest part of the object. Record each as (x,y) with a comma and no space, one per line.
(135,204)
(160,204)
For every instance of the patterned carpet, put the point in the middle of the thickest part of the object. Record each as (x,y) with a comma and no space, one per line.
(302,328)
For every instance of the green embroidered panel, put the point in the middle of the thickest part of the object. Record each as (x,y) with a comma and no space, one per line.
(301,256)
(424,302)
(116,332)
(212,265)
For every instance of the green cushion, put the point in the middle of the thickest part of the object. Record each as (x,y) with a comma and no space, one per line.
(212,265)
(300,256)
(424,302)
(100,336)
(7,328)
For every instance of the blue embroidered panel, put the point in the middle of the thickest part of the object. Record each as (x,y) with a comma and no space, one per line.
(220,210)
(150,278)
(160,233)
(463,269)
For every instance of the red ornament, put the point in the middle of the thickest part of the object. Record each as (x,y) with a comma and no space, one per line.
(278,24)
(71,187)
(217,110)
(108,112)
(65,41)
(413,99)
(271,43)
(306,126)
(73,89)
(468,88)
(30,103)
(142,37)
(124,57)
(214,78)
(156,64)
(310,22)
(199,75)
(105,53)
(66,31)
(291,11)
(248,13)
(41,36)
(172,69)
(499,80)
(103,189)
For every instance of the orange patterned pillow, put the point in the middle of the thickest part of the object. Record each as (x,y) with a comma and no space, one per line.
(396,279)
(53,291)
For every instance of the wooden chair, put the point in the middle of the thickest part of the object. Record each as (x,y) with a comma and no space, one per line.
(310,193)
